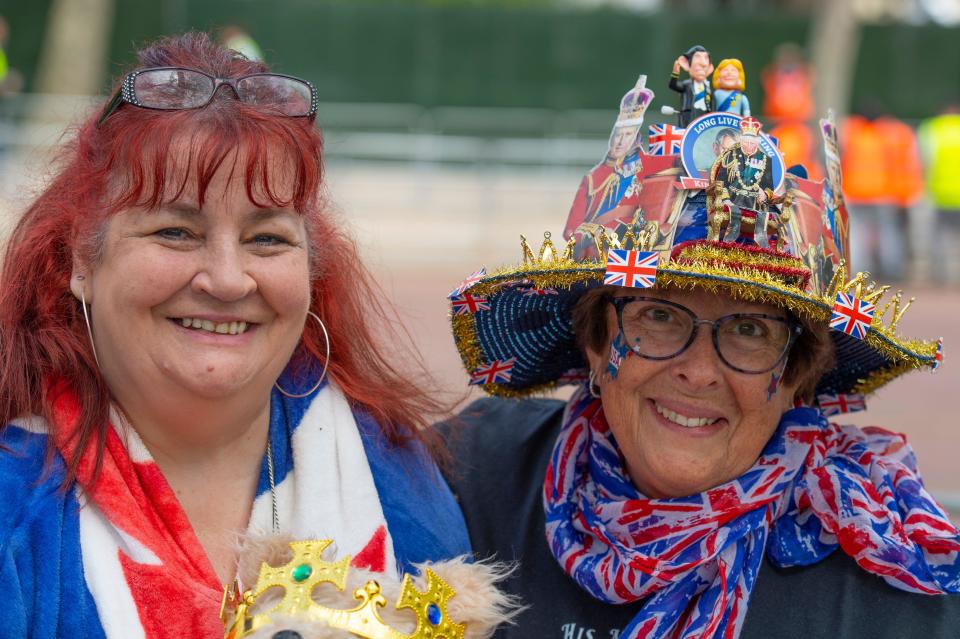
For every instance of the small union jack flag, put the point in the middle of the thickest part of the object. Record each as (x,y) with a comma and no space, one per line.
(499,370)
(841,403)
(938,356)
(664,139)
(852,315)
(467,303)
(637,269)
(573,376)
(531,292)
(472,279)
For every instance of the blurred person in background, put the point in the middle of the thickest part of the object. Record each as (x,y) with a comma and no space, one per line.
(236,38)
(940,143)
(788,104)
(191,351)
(10,79)
(788,86)
(882,178)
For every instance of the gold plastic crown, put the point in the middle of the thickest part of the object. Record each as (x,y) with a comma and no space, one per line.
(306,570)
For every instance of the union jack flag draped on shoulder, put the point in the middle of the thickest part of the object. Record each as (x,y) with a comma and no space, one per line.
(816,487)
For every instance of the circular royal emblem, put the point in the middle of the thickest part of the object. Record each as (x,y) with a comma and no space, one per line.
(710,135)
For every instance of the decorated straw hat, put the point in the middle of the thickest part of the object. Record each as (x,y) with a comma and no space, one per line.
(672,227)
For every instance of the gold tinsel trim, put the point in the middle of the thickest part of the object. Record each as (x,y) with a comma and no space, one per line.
(705,252)
(746,284)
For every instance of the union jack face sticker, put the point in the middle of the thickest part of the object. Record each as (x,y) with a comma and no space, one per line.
(851,315)
(499,370)
(938,356)
(841,403)
(469,304)
(636,269)
(664,139)
(619,351)
(471,279)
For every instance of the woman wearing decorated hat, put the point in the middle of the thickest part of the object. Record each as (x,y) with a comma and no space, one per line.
(694,485)
(189,354)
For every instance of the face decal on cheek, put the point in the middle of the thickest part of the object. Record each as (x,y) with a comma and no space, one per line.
(619,351)
(776,378)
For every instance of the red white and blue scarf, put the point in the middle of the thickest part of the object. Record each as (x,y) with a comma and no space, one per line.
(816,486)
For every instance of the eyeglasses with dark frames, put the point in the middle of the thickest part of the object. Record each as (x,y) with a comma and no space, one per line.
(658,329)
(177,88)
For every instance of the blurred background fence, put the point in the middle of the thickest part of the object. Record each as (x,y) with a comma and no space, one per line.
(532,55)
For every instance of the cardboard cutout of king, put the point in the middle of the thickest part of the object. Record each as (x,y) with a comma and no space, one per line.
(612,184)
(741,190)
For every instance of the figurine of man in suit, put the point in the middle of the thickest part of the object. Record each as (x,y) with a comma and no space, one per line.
(697,96)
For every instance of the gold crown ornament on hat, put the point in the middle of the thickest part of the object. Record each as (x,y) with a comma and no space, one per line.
(307,570)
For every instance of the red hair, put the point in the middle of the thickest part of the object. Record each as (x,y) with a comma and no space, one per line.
(136,158)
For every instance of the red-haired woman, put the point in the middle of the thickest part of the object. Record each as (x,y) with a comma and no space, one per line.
(188,351)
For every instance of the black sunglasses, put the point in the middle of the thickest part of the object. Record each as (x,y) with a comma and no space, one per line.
(176,88)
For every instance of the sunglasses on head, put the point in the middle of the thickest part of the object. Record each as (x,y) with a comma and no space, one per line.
(177,88)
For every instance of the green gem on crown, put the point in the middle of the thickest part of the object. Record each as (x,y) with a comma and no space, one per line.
(302,572)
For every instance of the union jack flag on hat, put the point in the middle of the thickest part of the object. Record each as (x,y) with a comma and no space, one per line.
(471,279)
(499,370)
(851,315)
(532,292)
(467,303)
(938,356)
(664,139)
(841,403)
(573,376)
(636,269)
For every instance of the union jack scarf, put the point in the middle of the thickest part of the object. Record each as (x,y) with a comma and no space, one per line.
(816,486)
(134,533)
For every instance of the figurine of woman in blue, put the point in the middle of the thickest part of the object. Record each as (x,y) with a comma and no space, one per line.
(729,83)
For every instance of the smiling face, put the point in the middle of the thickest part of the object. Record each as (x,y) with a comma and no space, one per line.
(728,78)
(689,423)
(749,144)
(198,302)
(700,66)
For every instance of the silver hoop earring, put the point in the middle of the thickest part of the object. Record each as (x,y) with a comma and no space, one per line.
(592,388)
(326,363)
(86,318)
